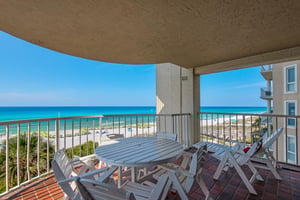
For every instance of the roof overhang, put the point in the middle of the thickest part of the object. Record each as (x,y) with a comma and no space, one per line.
(206,35)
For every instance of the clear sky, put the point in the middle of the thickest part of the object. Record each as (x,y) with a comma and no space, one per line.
(232,88)
(35,76)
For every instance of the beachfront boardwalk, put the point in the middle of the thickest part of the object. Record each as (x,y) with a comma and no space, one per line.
(229,186)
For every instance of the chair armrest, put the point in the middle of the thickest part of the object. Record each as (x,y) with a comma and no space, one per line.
(107,172)
(187,154)
(85,165)
(176,169)
(67,180)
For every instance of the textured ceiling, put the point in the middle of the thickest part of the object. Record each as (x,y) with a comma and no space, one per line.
(190,33)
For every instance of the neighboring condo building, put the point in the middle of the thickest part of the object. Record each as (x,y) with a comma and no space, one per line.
(282,97)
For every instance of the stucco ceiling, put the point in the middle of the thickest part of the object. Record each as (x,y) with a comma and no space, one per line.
(190,33)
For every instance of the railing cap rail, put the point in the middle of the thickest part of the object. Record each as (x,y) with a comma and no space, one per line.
(251,114)
(87,116)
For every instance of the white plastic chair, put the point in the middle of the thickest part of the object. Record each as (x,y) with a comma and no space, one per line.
(65,173)
(96,190)
(153,192)
(184,175)
(264,158)
(236,158)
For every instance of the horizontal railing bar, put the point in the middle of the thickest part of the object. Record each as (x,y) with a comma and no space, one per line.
(252,114)
(80,117)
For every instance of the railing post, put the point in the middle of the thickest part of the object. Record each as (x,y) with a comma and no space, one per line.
(100,131)
(28,150)
(137,125)
(38,149)
(57,135)
(18,154)
(187,123)
(48,145)
(87,135)
(7,158)
(173,122)
(296,134)
(244,129)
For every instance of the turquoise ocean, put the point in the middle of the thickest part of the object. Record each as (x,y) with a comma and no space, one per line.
(20,113)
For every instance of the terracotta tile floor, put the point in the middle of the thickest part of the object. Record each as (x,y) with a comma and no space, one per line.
(229,186)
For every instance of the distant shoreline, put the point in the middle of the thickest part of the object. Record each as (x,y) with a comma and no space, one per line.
(8,113)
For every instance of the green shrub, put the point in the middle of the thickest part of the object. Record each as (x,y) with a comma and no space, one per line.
(86,149)
(12,163)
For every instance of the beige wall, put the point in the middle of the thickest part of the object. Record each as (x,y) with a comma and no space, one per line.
(177,91)
(279,98)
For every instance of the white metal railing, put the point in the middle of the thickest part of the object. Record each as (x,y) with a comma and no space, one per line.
(27,146)
(266,68)
(228,128)
(266,93)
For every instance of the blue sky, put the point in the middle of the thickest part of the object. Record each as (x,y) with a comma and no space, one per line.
(35,76)
(233,88)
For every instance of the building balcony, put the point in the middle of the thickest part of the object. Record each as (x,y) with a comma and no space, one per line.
(81,135)
(266,94)
(267,72)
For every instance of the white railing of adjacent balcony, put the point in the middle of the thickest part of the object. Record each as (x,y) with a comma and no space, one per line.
(266,93)
(27,146)
(266,68)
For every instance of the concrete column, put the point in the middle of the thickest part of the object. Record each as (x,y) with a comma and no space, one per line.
(178,91)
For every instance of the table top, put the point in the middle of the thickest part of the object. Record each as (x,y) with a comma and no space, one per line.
(140,152)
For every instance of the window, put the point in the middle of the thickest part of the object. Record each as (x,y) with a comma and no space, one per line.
(290,79)
(291,110)
(291,149)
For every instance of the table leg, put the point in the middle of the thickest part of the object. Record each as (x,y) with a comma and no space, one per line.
(119,177)
(133,174)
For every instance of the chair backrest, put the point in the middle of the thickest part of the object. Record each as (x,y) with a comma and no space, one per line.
(196,166)
(268,141)
(63,170)
(198,160)
(242,157)
(61,165)
(171,136)
(163,185)
(95,190)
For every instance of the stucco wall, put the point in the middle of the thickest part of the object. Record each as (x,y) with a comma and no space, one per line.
(177,91)
(279,98)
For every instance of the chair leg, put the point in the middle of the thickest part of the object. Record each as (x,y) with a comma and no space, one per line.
(241,174)
(203,188)
(273,170)
(255,175)
(221,166)
(177,186)
(166,191)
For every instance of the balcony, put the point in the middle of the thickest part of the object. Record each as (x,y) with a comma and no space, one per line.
(70,133)
(267,72)
(229,187)
(266,93)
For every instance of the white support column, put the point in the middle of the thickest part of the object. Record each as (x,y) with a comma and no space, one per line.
(178,91)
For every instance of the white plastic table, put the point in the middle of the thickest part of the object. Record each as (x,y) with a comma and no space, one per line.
(139,152)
